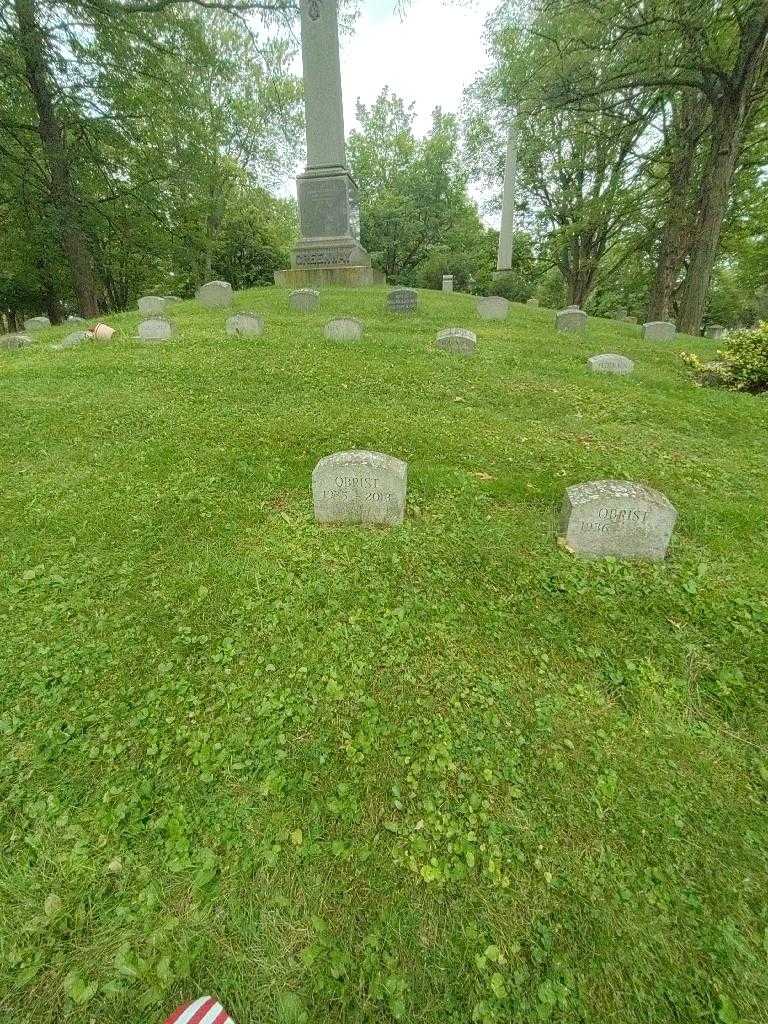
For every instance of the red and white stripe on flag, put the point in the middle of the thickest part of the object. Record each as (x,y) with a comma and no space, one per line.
(204,1010)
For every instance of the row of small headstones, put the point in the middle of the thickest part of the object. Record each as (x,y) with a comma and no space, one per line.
(599,519)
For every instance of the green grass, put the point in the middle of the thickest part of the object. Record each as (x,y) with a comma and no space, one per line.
(444,773)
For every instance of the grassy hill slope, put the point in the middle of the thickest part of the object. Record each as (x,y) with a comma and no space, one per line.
(441,773)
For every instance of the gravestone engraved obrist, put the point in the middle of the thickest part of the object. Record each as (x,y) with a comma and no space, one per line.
(447,282)
(716,332)
(156,328)
(618,519)
(71,340)
(609,362)
(245,325)
(402,300)
(360,487)
(152,305)
(659,330)
(458,340)
(570,320)
(37,323)
(215,294)
(12,341)
(345,328)
(492,307)
(304,300)
(533,303)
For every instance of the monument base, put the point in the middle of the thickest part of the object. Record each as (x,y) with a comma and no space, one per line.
(329,277)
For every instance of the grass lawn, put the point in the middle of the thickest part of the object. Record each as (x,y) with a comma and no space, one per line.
(444,773)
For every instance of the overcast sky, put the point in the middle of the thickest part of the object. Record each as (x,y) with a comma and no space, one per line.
(426,58)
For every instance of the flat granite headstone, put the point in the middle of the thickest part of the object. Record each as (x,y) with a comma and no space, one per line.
(37,323)
(609,362)
(447,282)
(345,328)
(457,339)
(492,307)
(360,487)
(152,305)
(659,330)
(246,325)
(12,341)
(304,300)
(570,320)
(617,518)
(71,340)
(156,328)
(716,332)
(402,300)
(533,303)
(215,294)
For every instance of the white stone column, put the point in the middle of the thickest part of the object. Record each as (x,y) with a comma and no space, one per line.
(507,232)
(322,84)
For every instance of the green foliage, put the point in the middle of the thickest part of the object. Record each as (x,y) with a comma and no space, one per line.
(441,773)
(742,364)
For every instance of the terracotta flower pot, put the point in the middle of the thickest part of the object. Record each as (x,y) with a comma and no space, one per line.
(102,332)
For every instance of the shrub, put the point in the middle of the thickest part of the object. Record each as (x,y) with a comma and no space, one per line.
(742,365)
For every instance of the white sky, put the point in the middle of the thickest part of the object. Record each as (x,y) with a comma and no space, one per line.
(428,57)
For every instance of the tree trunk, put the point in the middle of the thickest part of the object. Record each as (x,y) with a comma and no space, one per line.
(63,201)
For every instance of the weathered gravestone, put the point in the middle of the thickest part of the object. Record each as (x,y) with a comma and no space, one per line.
(402,300)
(246,325)
(533,303)
(617,518)
(447,282)
(71,340)
(14,340)
(72,319)
(36,323)
(345,328)
(492,307)
(215,294)
(152,305)
(716,332)
(360,487)
(156,328)
(304,300)
(456,339)
(570,320)
(619,314)
(659,330)
(609,362)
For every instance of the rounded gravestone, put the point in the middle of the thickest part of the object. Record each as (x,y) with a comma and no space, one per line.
(345,328)
(246,325)
(609,362)
(618,519)
(457,339)
(71,340)
(37,323)
(716,332)
(152,305)
(659,330)
(12,341)
(447,282)
(215,294)
(360,487)
(304,300)
(570,320)
(402,300)
(72,319)
(492,307)
(156,328)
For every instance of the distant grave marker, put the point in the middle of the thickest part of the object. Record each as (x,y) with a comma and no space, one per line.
(457,340)
(152,305)
(71,340)
(617,518)
(570,320)
(402,300)
(304,300)
(492,307)
(360,487)
(345,328)
(630,319)
(156,328)
(14,341)
(716,332)
(447,282)
(215,294)
(72,319)
(609,362)
(659,330)
(245,325)
(37,323)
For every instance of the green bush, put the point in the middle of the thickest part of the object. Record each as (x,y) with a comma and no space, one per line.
(742,365)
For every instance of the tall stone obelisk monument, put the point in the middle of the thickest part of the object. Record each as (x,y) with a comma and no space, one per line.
(329,251)
(507,231)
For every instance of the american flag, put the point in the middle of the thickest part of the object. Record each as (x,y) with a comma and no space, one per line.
(204,1010)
